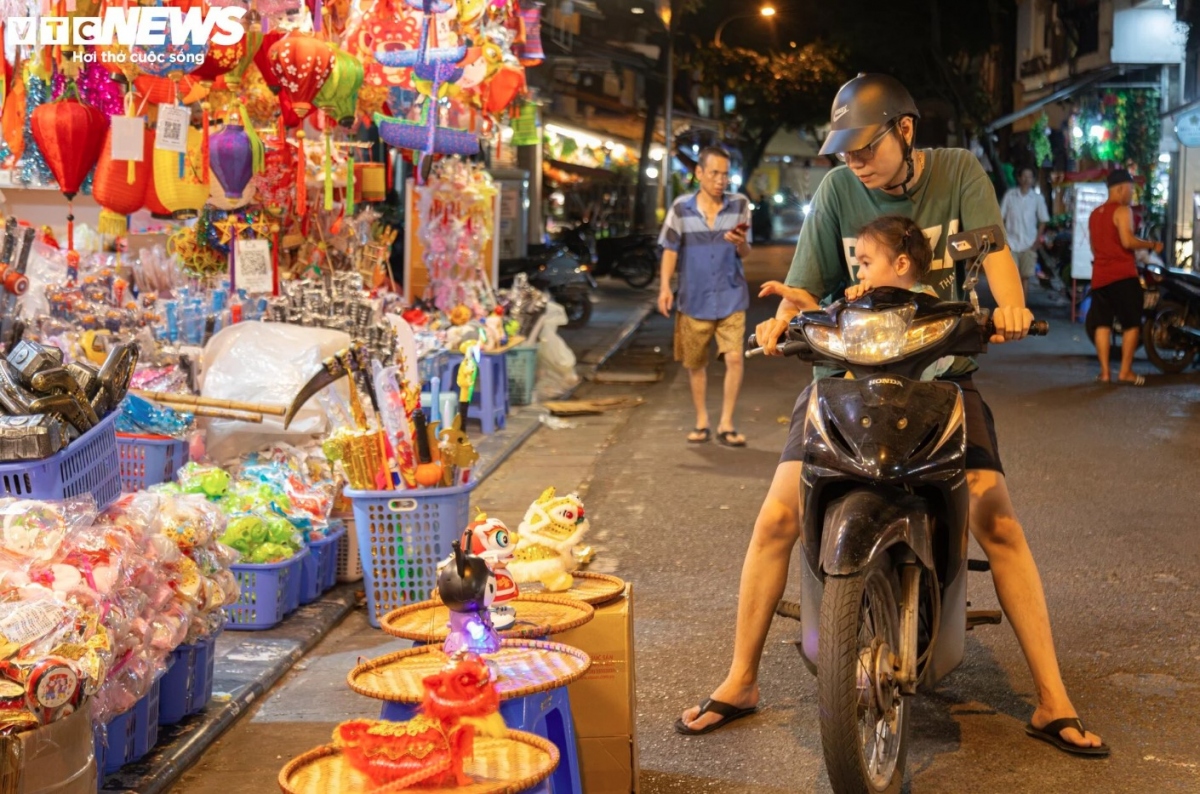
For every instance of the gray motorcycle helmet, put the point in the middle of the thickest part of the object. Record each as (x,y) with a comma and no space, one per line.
(861,110)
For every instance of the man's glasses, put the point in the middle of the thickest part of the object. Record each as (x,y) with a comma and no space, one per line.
(867,153)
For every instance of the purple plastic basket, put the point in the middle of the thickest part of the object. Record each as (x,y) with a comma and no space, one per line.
(402,536)
(265,592)
(320,569)
(89,465)
(133,734)
(149,460)
(188,684)
(295,580)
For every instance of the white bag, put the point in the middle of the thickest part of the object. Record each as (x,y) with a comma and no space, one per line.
(556,360)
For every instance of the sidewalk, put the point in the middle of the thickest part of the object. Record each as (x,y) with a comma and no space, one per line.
(314,649)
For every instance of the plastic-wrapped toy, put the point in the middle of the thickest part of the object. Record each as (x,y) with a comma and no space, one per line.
(493,542)
(553,527)
(467,587)
(428,750)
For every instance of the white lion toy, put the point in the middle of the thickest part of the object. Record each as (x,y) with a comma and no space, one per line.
(552,528)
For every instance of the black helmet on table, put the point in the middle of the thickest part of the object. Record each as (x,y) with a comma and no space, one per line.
(862,109)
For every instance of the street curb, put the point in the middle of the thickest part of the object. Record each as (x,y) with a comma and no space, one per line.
(181,746)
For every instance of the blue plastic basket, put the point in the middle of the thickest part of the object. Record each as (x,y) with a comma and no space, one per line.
(295,580)
(402,536)
(329,556)
(315,576)
(265,593)
(88,465)
(133,734)
(149,460)
(188,684)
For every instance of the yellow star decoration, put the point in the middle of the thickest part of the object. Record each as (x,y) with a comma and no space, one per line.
(229,228)
(262,227)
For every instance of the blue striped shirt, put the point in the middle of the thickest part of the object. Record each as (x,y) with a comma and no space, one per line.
(712,283)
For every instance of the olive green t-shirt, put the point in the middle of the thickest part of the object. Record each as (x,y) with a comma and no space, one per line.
(953,194)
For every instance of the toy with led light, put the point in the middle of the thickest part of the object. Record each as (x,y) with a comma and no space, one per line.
(467,587)
(493,542)
(549,546)
(70,136)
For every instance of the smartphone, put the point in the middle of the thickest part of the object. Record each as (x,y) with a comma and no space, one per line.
(743,227)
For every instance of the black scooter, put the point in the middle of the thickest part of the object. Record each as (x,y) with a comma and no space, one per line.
(1171,333)
(633,258)
(884,542)
(554,270)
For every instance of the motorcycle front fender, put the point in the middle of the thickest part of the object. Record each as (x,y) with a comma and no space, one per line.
(867,522)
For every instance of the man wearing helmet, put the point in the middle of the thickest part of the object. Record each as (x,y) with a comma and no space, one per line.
(873,126)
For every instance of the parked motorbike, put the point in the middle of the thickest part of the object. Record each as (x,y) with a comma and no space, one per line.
(884,544)
(1171,333)
(633,258)
(554,270)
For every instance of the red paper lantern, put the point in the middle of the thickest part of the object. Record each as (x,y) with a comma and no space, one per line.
(70,135)
(301,63)
(112,187)
(263,63)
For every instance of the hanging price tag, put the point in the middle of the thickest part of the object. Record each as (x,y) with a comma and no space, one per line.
(173,121)
(253,270)
(127,138)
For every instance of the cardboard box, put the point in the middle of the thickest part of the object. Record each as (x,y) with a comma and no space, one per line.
(57,758)
(604,701)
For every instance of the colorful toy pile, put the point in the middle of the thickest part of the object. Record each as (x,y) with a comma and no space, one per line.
(91,605)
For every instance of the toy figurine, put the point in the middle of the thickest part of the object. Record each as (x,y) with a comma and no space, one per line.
(428,750)
(467,587)
(491,540)
(552,528)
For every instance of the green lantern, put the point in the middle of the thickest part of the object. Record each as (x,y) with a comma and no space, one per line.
(339,95)
(526,126)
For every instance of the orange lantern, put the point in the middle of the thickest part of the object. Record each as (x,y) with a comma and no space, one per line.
(182,195)
(301,63)
(119,186)
(69,135)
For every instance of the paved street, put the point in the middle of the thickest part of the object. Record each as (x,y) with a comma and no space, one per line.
(1103,478)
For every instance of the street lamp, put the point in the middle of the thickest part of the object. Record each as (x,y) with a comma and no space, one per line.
(766,11)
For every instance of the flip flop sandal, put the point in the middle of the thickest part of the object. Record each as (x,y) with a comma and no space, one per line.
(704,439)
(728,713)
(725,439)
(1138,380)
(1050,734)
(1102,379)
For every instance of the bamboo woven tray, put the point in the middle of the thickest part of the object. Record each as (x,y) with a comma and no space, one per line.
(590,588)
(537,616)
(499,766)
(525,667)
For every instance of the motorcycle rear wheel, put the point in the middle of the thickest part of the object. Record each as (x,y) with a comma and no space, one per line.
(639,270)
(864,719)
(1169,357)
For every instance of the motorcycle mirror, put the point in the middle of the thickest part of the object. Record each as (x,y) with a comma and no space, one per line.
(968,245)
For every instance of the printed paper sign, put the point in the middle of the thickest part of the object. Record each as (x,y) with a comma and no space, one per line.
(127,142)
(252,268)
(173,121)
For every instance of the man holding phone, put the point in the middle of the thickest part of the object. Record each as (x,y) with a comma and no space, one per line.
(704,239)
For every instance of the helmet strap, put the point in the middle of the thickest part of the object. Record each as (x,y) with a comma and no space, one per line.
(910,167)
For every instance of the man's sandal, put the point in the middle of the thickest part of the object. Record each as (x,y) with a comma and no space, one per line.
(729,438)
(727,712)
(705,436)
(1051,734)
(1138,380)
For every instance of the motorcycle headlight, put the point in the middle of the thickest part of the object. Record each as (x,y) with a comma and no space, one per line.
(876,337)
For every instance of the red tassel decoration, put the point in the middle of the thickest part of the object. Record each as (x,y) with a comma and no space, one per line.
(301,175)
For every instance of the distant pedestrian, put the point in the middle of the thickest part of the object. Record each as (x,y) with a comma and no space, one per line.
(1025,218)
(1116,290)
(705,237)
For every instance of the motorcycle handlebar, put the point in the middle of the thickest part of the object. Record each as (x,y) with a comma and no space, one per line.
(1036,328)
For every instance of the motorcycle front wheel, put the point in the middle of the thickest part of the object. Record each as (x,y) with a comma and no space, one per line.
(1165,353)
(864,719)
(639,270)
(579,310)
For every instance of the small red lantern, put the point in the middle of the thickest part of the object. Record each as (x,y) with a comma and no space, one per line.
(119,186)
(70,135)
(301,63)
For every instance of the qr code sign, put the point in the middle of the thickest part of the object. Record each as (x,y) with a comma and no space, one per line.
(172,130)
(252,266)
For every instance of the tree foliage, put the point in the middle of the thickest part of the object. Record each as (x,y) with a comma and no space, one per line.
(778,90)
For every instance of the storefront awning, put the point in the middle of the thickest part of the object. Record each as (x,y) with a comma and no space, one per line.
(1078,84)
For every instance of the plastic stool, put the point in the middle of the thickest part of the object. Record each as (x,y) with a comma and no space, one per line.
(490,403)
(546,714)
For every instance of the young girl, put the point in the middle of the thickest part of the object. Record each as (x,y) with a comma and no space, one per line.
(892,251)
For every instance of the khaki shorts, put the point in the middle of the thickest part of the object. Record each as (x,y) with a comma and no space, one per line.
(1027,263)
(692,338)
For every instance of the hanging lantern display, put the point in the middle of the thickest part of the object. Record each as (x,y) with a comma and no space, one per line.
(301,63)
(236,155)
(119,186)
(220,60)
(151,201)
(170,58)
(151,90)
(263,62)
(254,43)
(339,95)
(70,135)
(276,184)
(530,51)
(182,195)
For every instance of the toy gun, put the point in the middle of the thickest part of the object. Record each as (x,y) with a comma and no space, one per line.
(13,282)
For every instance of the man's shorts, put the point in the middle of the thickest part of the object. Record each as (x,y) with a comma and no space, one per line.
(983,450)
(1122,300)
(1027,263)
(693,337)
